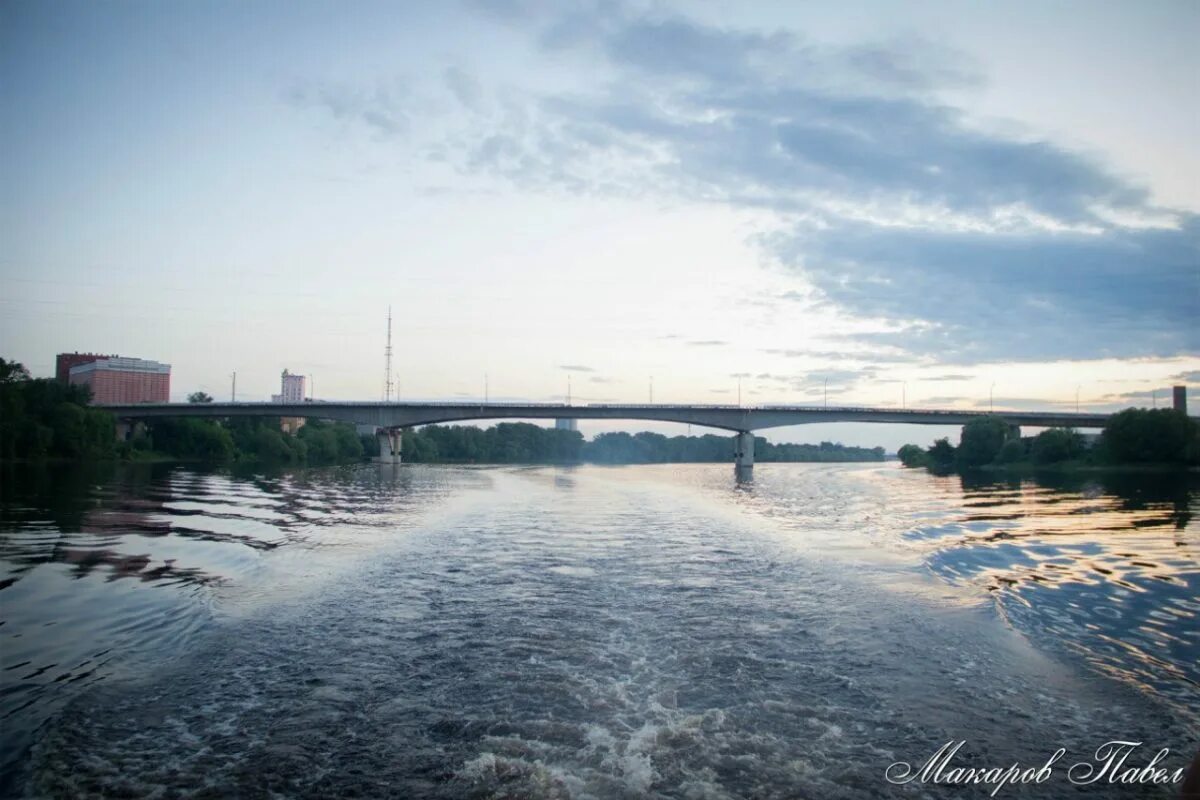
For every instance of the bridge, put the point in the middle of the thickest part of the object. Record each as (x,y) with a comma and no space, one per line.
(390,418)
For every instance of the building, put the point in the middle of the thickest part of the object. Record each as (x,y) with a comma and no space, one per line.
(64,362)
(566,424)
(291,390)
(116,379)
(1179,399)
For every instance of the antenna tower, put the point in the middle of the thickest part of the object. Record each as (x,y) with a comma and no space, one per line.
(387,361)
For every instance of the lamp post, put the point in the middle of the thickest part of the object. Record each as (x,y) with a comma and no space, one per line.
(991,399)
(651,390)
(485,388)
(827,392)
(903,398)
(1077,399)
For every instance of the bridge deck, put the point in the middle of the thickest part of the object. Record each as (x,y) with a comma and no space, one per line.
(727,417)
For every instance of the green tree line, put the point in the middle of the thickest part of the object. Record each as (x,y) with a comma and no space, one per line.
(46,419)
(1133,436)
(655,448)
(521,442)
(250,439)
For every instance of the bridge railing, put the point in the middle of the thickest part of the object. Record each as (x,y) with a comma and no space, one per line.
(669,406)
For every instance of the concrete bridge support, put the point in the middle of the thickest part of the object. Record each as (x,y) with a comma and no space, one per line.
(743,455)
(389,445)
(127,429)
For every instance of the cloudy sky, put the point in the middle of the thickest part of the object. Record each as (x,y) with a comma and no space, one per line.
(930,203)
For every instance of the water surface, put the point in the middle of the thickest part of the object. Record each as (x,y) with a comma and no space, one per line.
(588,632)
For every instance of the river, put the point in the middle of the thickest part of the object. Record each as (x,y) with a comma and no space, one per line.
(607,632)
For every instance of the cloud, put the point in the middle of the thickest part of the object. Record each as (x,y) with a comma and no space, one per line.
(599,379)
(576,368)
(949,377)
(464,87)
(1019,403)
(978,245)
(914,63)
(707,343)
(875,354)
(834,376)
(1191,376)
(1162,395)
(1118,293)
(381,111)
(959,241)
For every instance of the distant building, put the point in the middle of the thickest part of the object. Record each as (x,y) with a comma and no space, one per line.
(566,424)
(1179,398)
(291,390)
(123,380)
(64,362)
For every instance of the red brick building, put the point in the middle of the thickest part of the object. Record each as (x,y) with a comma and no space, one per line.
(64,362)
(124,380)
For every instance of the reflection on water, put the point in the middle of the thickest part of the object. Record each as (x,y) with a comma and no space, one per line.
(605,632)
(1107,565)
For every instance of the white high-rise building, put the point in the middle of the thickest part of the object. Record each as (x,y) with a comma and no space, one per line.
(292,388)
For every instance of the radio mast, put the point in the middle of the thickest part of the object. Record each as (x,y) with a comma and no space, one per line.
(387,361)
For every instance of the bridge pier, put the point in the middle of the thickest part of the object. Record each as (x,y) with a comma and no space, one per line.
(127,429)
(743,455)
(389,445)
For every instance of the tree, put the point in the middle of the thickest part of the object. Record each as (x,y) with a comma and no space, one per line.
(328,443)
(12,372)
(42,417)
(200,397)
(1012,452)
(1140,435)
(982,439)
(913,456)
(941,454)
(188,437)
(1056,444)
